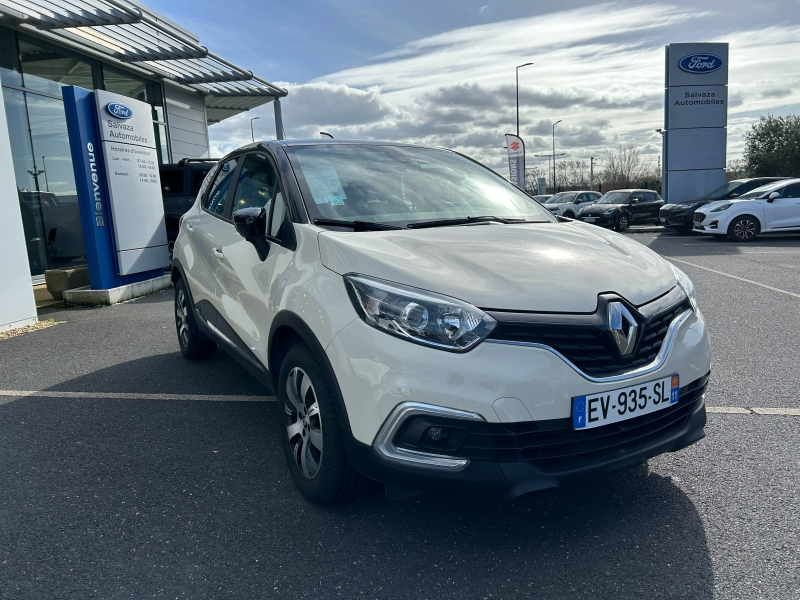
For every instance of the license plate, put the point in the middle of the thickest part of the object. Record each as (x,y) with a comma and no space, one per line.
(590,219)
(597,410)
(662,220)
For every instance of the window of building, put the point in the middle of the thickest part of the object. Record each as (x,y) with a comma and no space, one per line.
(46,70)
(144,90)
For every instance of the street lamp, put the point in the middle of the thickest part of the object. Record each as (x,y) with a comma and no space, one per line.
(554,153)
(253,135)
(517,71)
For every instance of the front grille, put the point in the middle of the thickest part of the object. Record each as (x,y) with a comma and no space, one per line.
(590,347)
(663,213)
(699,217)
(554,446)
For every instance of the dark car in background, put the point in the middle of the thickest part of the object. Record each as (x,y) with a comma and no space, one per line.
(179,186)
(622,208)
(678,216)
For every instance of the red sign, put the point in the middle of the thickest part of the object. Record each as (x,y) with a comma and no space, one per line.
(515,146)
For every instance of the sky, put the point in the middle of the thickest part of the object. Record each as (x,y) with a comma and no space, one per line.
(442,72)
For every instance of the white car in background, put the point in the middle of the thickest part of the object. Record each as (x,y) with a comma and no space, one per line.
(769,209)
(567,204)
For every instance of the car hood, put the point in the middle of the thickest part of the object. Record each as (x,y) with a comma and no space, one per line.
(712,205)
(599,208)
(550,267)
(686,204)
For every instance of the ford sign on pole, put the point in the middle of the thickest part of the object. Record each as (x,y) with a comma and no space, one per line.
(516,160)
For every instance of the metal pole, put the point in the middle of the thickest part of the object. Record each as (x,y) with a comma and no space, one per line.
(253,135)
(591,173)
(279,132)
(517,72)
(554,153)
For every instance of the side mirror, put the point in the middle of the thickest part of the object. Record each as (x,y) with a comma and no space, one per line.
(773,195)
(251,224)
(577,201)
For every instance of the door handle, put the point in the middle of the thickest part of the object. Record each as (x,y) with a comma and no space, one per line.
(218,253)
(189,228)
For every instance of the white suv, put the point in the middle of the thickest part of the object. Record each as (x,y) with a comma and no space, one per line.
(567,204)
(772,208)
(422,323)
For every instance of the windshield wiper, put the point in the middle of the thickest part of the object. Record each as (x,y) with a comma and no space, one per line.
(356,225)
(467,220)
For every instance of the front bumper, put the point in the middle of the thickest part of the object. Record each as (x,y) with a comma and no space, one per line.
(600,219)
(681,219)
(511,388)
(515,459)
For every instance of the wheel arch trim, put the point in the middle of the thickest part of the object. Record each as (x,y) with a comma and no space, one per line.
(289,322)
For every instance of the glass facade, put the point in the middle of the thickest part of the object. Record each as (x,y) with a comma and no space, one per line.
(32,73)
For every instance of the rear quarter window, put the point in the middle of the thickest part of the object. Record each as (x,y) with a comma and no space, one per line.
(171,182)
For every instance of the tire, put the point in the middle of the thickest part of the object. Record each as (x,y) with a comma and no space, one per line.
(569,215)
(310,433)
(194,345)
(622,223)
(744,229)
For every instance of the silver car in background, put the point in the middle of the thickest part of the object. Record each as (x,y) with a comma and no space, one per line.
(567,204)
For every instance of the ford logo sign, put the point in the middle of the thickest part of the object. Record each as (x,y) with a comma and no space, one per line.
(700,63)
(119,110)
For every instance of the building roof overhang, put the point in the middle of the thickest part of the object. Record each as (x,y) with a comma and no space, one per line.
(129,32)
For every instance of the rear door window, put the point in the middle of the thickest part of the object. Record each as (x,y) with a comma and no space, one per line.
(171,182)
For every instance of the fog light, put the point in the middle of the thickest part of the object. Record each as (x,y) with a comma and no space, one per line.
(437,434)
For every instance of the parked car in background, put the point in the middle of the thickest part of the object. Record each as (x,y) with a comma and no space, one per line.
(678,216)
(542,198)
(179,186)
(771,208)
(622,208)
(406,343)
(567,204)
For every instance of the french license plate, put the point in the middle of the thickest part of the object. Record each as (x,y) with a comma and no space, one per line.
(625,403)
(590,219)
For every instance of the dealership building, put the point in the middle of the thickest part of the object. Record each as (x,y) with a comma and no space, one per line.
(119,46)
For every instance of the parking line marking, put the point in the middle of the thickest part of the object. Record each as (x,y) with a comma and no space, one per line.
(764,285)
(135,396)
(728,410)
(777,411)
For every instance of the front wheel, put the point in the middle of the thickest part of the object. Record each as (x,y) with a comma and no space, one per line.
(744,229)
(310,433)
(569,215)
(623,223)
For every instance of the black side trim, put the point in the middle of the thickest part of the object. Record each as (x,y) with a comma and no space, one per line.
(288,320)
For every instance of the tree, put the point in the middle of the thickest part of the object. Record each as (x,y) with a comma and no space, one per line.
(624,168)
(772,147)
(737,168)
(532,175)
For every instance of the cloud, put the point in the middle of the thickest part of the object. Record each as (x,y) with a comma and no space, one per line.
(599,69)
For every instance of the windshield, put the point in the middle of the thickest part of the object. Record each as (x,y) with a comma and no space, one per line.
(561,198)
(401,184)
(764,188)
(614,198)
(724,189)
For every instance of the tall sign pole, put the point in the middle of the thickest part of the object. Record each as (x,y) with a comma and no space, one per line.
(695,120)
(516,160)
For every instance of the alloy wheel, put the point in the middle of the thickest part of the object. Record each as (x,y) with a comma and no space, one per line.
(181,319)
(744,229)
(304,422)
(623,223)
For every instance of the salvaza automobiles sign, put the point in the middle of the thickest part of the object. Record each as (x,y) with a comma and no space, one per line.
(700,63)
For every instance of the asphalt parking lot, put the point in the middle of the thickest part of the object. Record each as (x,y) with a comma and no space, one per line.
(129,472)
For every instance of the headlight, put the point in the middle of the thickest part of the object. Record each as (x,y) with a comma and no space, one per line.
(417,315)
(610,211)
(722,207)
(686,285)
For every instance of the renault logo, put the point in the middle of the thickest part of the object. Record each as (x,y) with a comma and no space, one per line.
(623,327)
